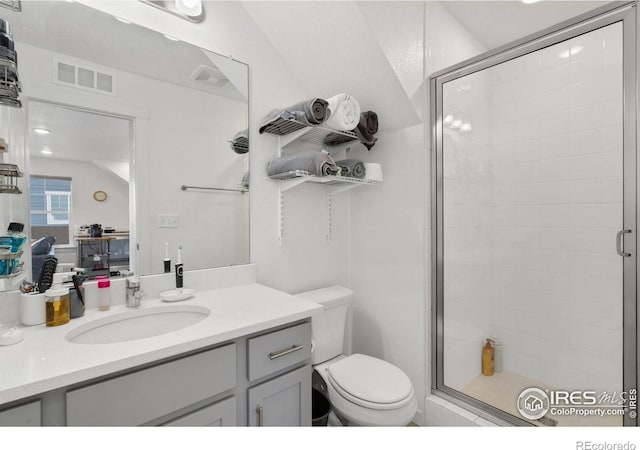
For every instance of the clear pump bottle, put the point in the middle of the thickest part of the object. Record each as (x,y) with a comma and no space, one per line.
(104,293)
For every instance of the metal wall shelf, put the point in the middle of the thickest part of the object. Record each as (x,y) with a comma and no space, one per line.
(333,184)
(289,180)
(9,173)
(316,134)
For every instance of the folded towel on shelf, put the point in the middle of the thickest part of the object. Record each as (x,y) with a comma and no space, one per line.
(367,127)
(240,142)
(310,112)
(353,168)
(344,112)
(245,181)
(316,163)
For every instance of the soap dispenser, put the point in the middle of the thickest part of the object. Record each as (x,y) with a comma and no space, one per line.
(57,306)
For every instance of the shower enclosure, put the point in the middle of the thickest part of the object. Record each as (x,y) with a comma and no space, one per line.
(534,225)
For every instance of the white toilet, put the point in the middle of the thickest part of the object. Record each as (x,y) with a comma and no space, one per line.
(363,391)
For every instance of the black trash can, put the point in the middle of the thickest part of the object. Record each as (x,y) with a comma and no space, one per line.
(320,408)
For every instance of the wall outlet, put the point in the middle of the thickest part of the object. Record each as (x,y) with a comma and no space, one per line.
(168,221)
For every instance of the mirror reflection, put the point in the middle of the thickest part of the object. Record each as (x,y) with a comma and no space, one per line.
(114,128)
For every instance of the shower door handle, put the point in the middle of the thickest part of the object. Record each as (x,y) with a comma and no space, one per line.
(620,243)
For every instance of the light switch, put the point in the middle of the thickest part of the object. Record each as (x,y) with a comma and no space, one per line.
(168,221)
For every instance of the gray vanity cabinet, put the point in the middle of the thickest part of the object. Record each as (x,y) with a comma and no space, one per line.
(221,414)
(283,401)
(27,415)
(259,379)
(146,395)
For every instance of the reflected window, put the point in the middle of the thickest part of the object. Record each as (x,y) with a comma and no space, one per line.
(50,199)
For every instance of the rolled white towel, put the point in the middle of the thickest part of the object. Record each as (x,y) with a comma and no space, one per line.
(345,112)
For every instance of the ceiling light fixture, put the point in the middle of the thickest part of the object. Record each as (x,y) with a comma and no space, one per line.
(529,2)
(46,151)
(42,130)
(448,119)
(191,8)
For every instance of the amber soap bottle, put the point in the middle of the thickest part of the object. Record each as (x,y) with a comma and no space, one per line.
(488,359)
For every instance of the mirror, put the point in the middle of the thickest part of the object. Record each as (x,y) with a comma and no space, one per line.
(132,130)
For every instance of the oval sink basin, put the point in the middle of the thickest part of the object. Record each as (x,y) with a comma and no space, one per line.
(137,324)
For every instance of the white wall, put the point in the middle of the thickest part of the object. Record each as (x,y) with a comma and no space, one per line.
(390,226)
(186,143)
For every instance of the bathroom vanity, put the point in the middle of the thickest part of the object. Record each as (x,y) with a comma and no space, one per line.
(246,363)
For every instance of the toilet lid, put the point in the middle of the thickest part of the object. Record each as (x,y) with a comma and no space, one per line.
(370,382)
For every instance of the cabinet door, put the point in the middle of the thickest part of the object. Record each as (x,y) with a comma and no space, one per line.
(145,395)
(283,401)
(22,416)
(221,414)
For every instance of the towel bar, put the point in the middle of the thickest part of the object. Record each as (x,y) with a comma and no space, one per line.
(185,187)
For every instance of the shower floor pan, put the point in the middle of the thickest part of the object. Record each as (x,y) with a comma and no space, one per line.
(502,390)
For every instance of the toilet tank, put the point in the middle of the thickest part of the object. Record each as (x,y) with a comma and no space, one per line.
(327,327)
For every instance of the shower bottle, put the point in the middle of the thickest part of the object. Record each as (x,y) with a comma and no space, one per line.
(488,354)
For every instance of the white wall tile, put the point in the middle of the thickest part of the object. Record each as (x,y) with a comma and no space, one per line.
(603,290)
(557,190)
(596,215)
(587,141)
(585,117)
(585,93)
(555,77)
(587,68)
(596,190)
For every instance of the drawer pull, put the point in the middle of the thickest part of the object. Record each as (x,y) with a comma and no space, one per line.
(260,413)
(285,352)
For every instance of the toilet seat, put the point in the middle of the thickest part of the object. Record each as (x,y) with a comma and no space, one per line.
(370,382)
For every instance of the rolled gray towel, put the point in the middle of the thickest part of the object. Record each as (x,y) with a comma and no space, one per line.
(240,142)
(316,163)
(353,168)
(367,127)
(310,112)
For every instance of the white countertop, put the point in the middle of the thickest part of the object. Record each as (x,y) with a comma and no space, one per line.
(45,360)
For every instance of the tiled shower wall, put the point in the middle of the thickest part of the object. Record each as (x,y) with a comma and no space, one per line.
(467,233)
(538,237)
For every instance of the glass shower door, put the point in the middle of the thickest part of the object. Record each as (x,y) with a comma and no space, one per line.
(531,190)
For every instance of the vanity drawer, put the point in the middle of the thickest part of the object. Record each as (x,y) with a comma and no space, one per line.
(278,350)
(27,415)
(148,394)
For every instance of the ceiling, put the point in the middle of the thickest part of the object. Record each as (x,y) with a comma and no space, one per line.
(78,135)
(85,33)
(495,23)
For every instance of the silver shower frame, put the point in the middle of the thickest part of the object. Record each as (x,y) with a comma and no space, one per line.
(625,12)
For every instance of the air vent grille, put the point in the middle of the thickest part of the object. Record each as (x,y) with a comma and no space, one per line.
(11,4)
(84,76)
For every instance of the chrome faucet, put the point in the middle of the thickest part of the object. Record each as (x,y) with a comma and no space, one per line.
(134,294)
